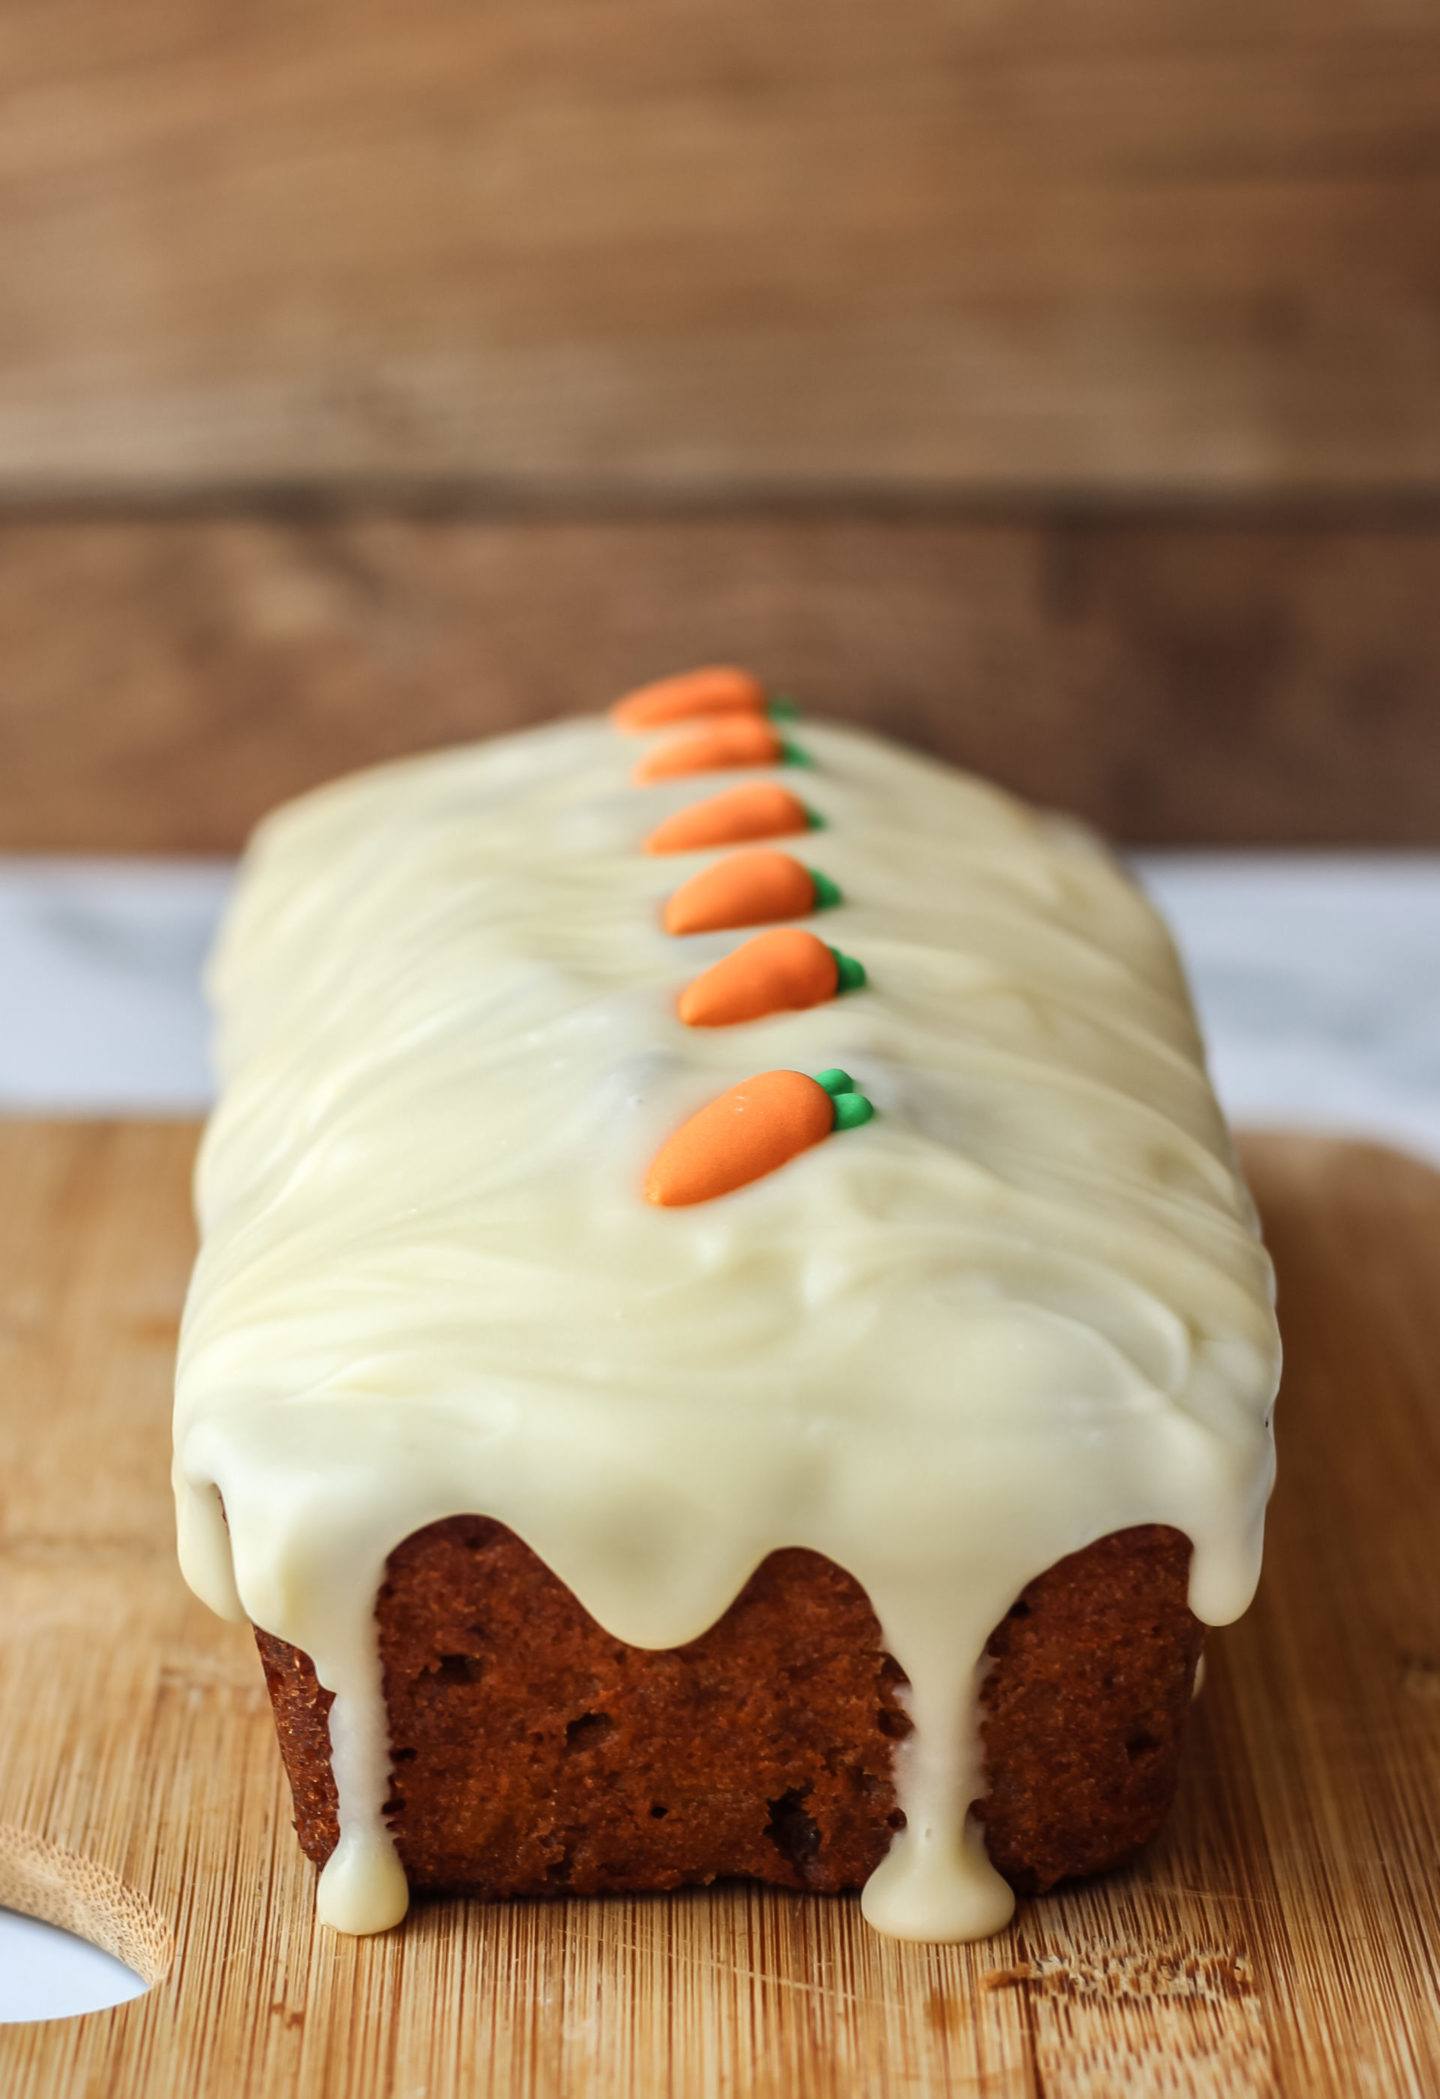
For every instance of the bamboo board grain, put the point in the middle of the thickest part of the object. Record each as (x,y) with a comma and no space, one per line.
(1281,1939)
(829,246)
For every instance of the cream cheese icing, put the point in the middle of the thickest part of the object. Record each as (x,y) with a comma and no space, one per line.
(1023,1307)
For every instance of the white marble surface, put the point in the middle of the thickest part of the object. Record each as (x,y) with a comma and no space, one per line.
(49,1974)
(100,1003)
(1317,979)
(1318,983)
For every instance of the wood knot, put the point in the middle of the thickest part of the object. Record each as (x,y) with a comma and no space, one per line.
(1420,1677)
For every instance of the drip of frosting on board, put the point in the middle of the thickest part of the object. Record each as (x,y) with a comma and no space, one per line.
(1024,1307)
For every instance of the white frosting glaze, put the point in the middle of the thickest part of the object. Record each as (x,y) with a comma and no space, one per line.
(1022,1308)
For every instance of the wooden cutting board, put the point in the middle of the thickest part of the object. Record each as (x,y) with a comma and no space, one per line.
(1281,1937)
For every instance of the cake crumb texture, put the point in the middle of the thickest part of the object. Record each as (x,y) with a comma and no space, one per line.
(534,1754)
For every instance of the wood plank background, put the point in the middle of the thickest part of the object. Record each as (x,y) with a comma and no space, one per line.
(1058,386)
(165,680)
(1281,1940)
(835,245)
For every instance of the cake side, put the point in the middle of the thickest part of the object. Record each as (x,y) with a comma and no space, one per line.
(533,1754)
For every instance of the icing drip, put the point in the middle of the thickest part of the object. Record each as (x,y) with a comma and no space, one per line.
(362,1887)
(936,1882)
(1023,1307)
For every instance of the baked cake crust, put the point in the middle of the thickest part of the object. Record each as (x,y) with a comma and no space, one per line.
(534,1754)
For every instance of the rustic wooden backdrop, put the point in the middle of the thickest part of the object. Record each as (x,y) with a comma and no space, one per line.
(1059,385)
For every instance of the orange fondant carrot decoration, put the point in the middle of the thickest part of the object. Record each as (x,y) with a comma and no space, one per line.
(747,889)
(760,810)
(749,1131)
(720,688)
(742,739)
(779,972)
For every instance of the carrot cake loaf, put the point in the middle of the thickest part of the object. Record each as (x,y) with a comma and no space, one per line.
(729,1338)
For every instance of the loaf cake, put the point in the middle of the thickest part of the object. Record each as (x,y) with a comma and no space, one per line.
(729,1338)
